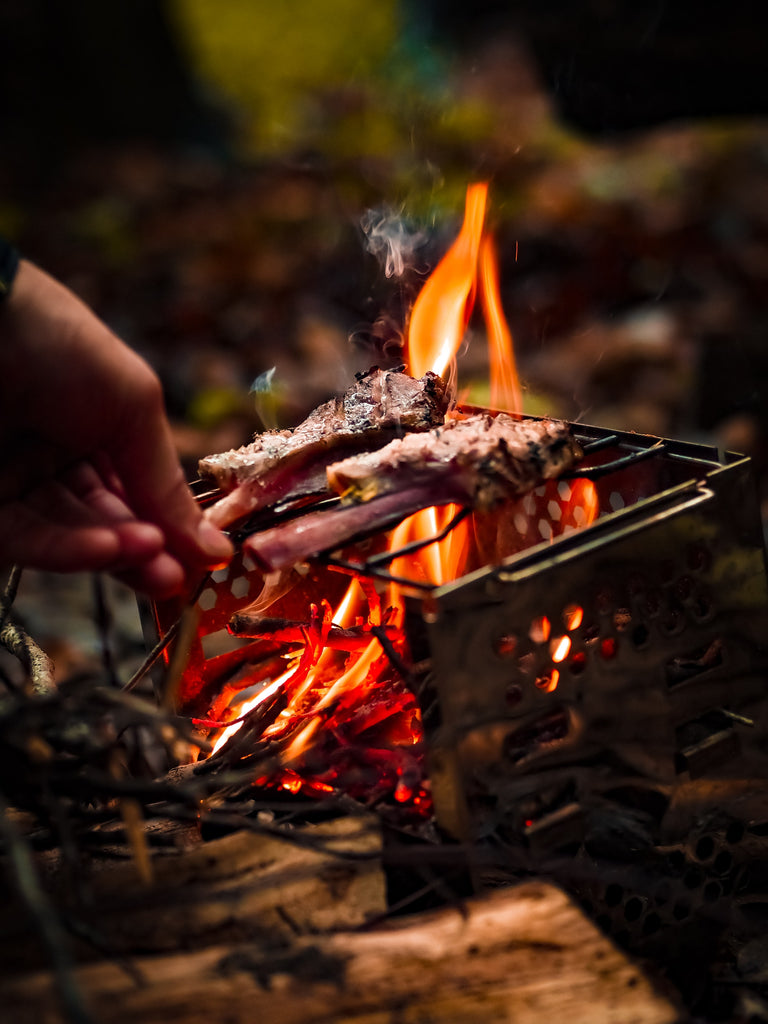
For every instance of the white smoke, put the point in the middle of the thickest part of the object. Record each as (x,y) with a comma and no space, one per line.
(391,240)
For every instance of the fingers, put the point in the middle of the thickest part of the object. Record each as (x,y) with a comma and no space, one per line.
(129,551)
(160,577)
(100,396)
(82,526)
(32,538)
(154,485)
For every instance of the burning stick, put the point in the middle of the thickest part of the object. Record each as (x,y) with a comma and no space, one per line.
(381,405)
(476,462)
(295,632)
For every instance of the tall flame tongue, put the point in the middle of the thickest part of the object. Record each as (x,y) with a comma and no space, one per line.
(505,383)
(437,326)
(442,310)
(343,719)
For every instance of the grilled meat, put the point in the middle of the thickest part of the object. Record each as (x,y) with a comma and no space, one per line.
(476,462)
(482,458)
(380,406)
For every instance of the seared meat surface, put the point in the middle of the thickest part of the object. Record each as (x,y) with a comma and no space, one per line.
(476,462)
(484,458)
(380,406)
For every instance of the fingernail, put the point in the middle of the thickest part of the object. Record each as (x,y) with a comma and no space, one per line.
(214,543)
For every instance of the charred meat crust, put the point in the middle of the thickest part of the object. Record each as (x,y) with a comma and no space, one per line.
(475,462)
(489,458)
(380,406)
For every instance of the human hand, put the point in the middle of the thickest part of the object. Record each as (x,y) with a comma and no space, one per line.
(89,477)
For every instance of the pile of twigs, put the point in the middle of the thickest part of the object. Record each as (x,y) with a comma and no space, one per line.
(79,777)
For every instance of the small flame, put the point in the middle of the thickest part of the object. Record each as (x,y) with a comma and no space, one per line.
(437,563)
(300,743)
(583,505)
(250,705)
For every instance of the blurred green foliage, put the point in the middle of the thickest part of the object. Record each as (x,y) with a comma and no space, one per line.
(272,61)
(354,82)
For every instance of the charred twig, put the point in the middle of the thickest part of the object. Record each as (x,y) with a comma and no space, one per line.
(338,638)
(393,655)
(254,723)
(156,652)
(9,594)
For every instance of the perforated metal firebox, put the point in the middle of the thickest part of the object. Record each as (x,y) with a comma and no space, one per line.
(663,672)
(632,769)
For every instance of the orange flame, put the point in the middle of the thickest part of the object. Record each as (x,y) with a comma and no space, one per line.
(437,563)
(505,383)
(443,307)
(322,684)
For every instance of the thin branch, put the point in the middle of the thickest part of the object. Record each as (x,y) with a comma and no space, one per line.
(9,594)
(103,617)
(34,659)
(164,641)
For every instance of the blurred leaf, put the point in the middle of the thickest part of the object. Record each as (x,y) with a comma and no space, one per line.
(268,59)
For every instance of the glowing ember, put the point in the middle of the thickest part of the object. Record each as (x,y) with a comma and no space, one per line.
(561,648)
(549,682)
(574,616)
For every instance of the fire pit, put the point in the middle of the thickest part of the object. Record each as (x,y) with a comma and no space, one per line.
(571,681)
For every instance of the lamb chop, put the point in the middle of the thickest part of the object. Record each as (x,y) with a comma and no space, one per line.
(281,464)
(475,462)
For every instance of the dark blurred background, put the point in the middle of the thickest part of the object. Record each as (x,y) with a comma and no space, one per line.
(198,172)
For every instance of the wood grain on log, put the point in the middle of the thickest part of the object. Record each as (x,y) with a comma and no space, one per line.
(242,887)
(524,955)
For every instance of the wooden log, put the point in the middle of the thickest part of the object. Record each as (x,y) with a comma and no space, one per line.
(524,956)
(243,886)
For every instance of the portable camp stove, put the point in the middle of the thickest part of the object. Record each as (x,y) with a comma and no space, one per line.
(596,706)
